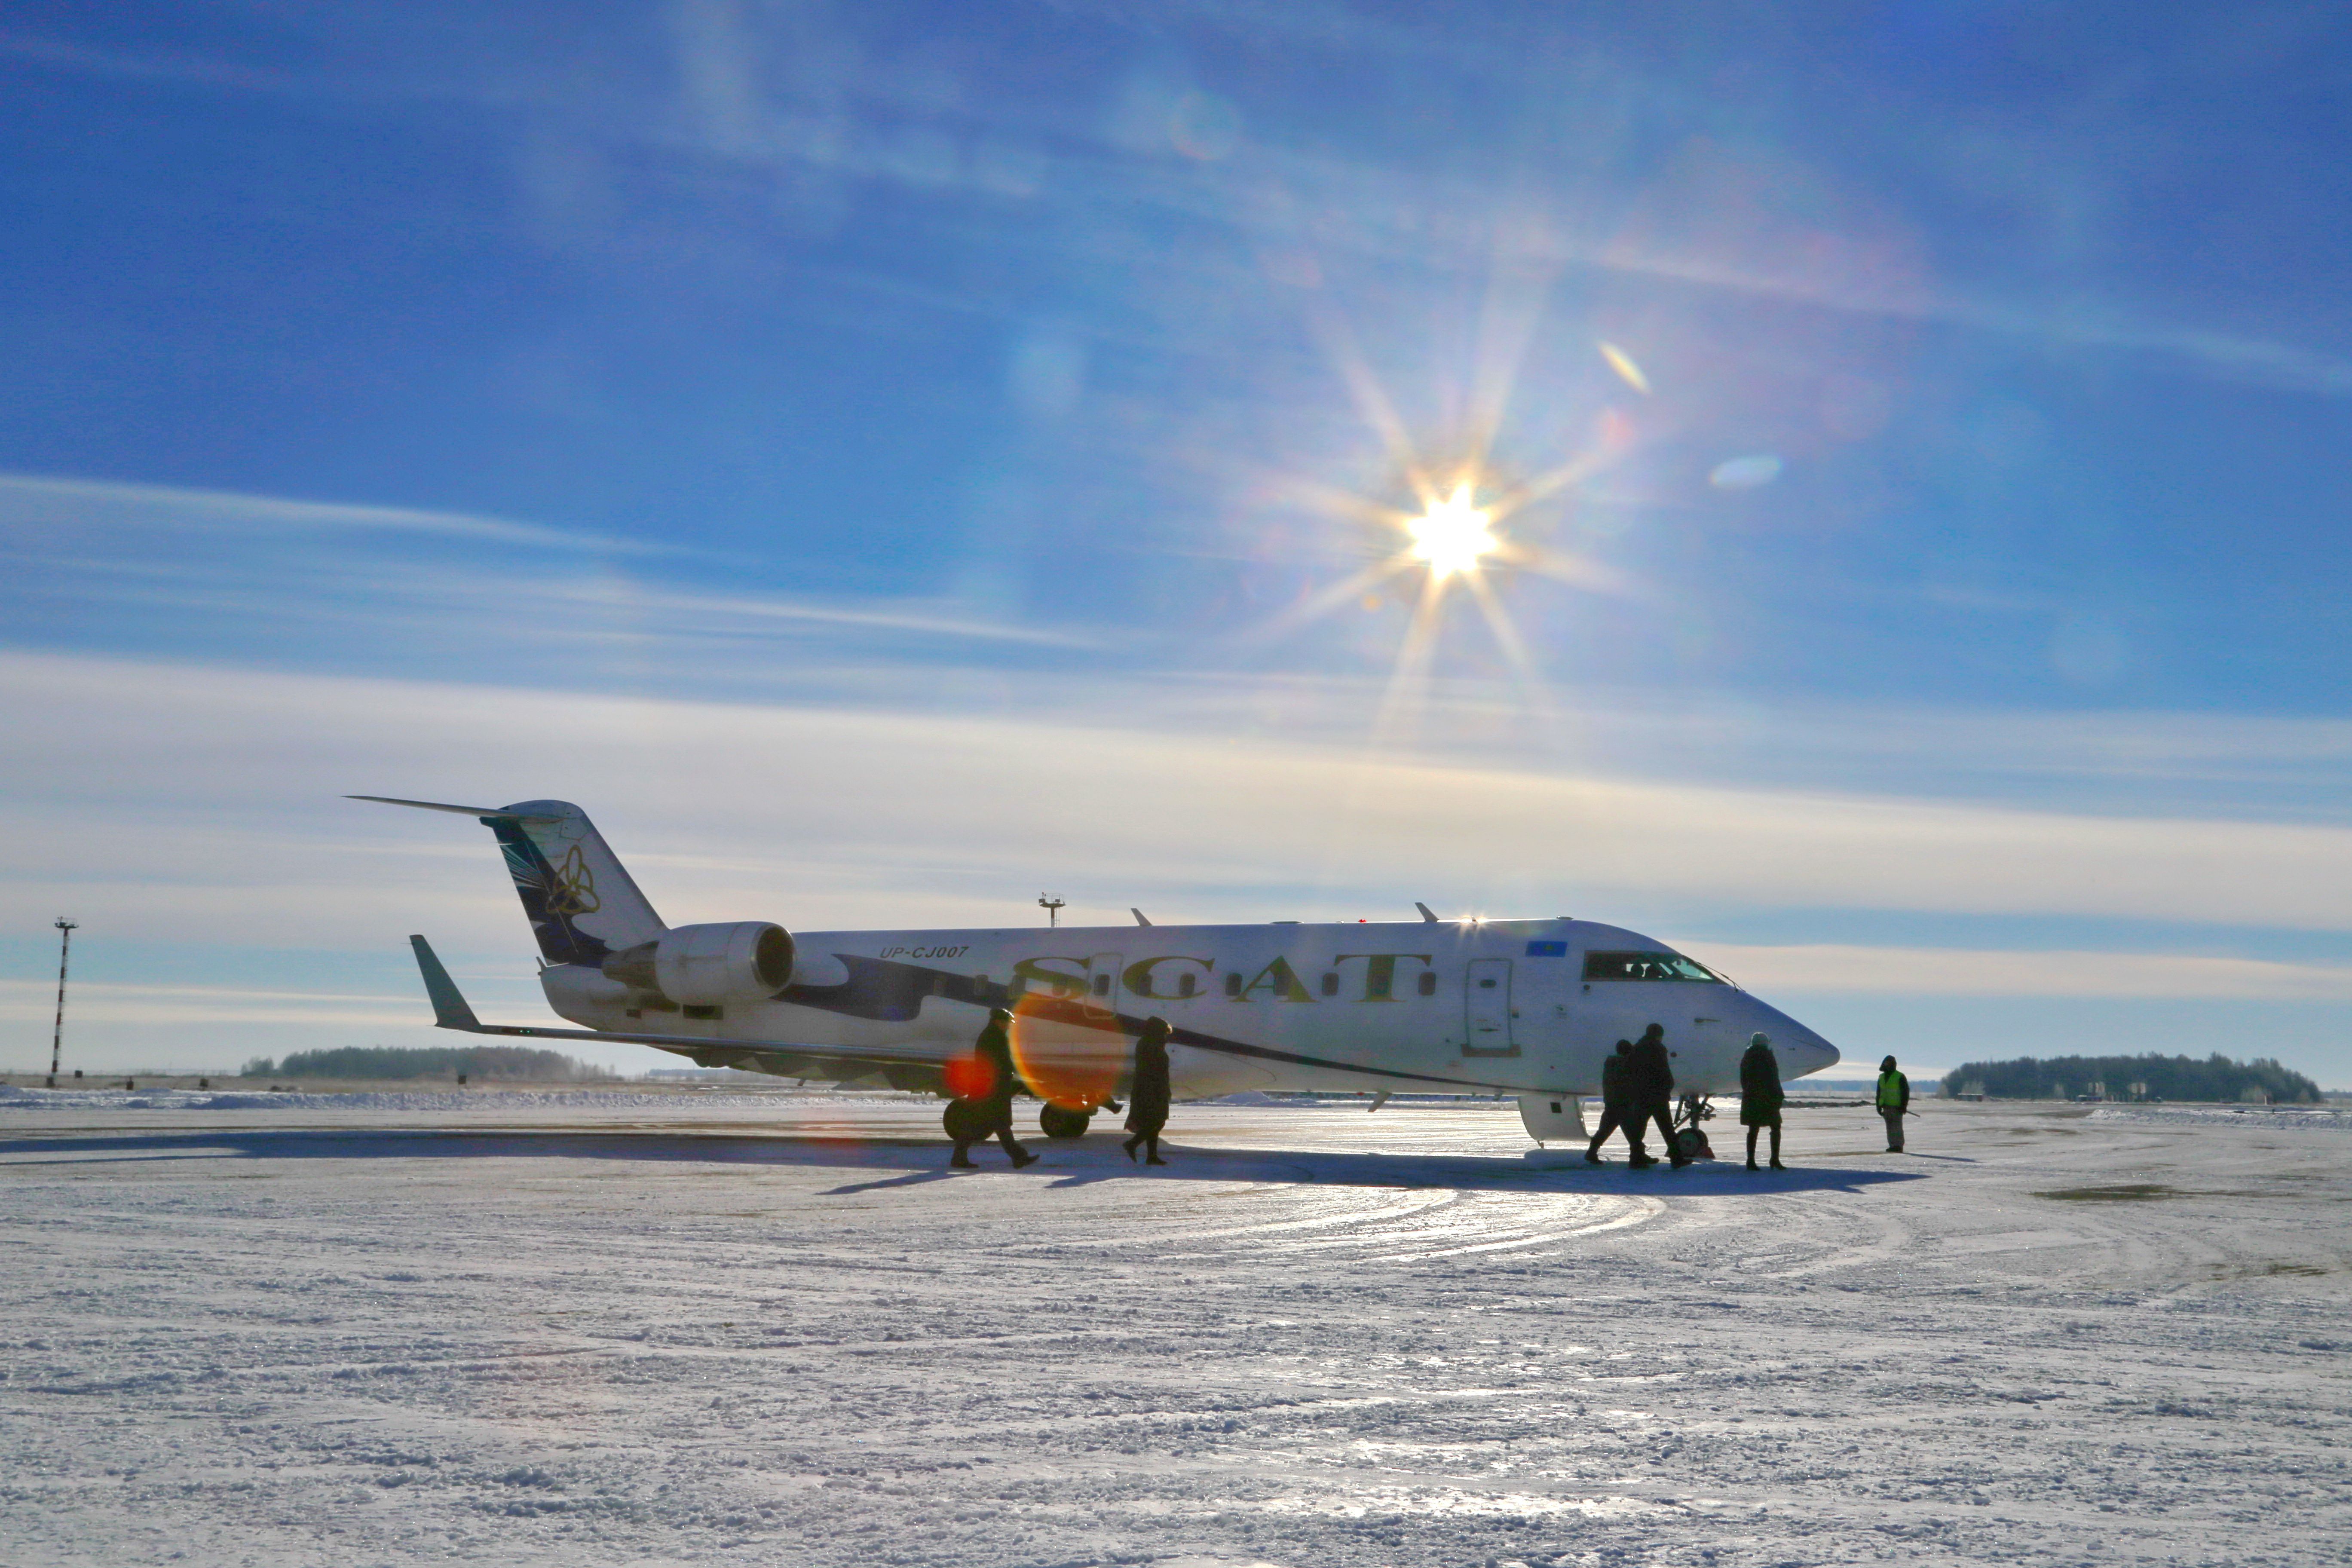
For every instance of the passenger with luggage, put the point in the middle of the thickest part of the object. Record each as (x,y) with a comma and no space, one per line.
(989,1113)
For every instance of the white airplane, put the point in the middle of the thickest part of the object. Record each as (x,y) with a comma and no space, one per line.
(1524,1008)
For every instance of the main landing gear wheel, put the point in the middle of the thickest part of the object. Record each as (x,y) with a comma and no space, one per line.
(1058,1121)
(964,1122)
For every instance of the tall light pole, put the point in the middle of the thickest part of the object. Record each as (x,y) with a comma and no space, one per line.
(65,929)
(1052,907)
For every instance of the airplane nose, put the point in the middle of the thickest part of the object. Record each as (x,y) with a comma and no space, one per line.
(1801,1050)
(1815,1053)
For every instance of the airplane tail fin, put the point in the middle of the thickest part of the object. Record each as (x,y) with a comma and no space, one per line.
(581,903)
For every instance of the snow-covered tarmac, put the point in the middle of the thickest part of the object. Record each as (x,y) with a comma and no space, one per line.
(661,1330)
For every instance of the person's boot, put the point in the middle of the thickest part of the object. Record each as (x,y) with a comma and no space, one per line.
(963,1161)
(1640,1160)
(1752,1164)
(1130,1147)
(1021,1157)
(1155,1160)
(1776,1165)
(1593,1155)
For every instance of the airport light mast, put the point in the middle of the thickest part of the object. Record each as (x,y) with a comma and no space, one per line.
(65,929)
(1052,907)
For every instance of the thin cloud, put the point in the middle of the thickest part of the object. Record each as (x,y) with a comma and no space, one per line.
(37,500)
(1832,969)
(132,546)
(1022,795)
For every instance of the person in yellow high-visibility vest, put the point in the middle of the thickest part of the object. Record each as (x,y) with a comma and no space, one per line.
(1893,1103)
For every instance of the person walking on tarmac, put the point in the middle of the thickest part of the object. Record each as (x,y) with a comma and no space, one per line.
(1147,1098)
(1893,1103)
(993,1110)
(1615,1105)
(1760,1096)
(1653,1091)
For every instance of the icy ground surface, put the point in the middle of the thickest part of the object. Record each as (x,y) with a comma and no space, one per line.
(784,1333)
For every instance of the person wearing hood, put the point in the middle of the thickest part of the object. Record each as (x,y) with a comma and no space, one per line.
(1616,1108)
(1147,1098)
(992,1114)
(1893,1103)
(1652,1084)
(1760,1096)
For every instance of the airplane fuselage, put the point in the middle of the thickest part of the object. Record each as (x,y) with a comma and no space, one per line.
(1509,1007)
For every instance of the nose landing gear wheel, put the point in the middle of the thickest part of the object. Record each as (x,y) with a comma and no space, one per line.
(1058,1121)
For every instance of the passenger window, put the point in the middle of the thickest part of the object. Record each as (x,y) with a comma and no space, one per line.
(1428,982)
(1185,985)
(1234,984)
(1102,984)
(1486,984)
(1331,985)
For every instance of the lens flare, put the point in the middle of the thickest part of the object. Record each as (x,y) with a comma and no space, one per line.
(1068,1049)
(1453,535)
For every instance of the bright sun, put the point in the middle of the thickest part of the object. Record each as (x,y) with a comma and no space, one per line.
(1451,535)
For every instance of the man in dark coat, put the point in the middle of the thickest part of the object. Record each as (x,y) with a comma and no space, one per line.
(1616,1106)
(1893,1103)
(1654,1093)
(1760,1096)
(993,1110)
(1147,1098)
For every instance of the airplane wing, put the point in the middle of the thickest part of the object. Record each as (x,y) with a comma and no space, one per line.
(903,1069)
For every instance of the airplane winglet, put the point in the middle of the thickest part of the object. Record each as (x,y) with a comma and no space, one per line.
(450,1010)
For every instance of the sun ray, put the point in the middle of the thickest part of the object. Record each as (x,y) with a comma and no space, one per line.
(1320,603)
(1400,710)
(1576,571)
(1514,646)
(1372,399)
(1544,486)
(1517,296)
(1336,501)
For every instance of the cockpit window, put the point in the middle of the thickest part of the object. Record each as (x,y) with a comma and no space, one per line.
(1646,967)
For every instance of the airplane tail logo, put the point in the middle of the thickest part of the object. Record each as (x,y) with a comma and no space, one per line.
(574,888)
(581,903)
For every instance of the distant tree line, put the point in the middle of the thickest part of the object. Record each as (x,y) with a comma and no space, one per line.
(2165,1077)
(520,1062)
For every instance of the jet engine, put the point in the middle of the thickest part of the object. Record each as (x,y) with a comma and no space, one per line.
(709,965)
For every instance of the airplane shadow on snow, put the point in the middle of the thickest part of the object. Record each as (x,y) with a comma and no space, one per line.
(914,1162)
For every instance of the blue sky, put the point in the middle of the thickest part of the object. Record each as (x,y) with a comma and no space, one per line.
(878,461)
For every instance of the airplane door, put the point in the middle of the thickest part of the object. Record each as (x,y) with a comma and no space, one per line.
(1102,981)
(1487,1009)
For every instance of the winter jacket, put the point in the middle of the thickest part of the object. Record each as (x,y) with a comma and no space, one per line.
(1616,1080)
(1652,1075)
(1147,1098)
(1760,1095)
(995,1048)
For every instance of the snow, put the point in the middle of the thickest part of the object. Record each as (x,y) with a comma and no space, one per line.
(608,1329)
(2273,1118)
